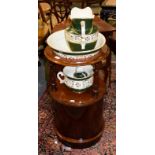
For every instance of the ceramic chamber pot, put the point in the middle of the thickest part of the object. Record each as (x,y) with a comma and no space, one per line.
(77,78)
(81,35)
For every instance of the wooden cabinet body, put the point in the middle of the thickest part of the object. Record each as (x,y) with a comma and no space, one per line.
(78,117)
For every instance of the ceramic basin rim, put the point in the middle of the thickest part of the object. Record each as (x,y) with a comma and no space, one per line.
(90,74)
(74,53)
(49,42)
(79,79)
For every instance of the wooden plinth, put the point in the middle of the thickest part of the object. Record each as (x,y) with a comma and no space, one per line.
(79,126)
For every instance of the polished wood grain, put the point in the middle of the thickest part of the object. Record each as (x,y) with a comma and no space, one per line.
(78,116)
(79,126)
(69,97)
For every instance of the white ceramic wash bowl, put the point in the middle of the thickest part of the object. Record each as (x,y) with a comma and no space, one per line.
(58,43)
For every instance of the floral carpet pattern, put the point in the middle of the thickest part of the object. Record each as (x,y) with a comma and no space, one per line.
(48,143)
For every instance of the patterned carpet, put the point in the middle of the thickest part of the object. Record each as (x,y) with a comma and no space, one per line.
(48,143)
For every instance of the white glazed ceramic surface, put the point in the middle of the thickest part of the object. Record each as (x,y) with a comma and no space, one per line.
(75,57)
(70,70)
(58,42)
(81,13)
(78,84)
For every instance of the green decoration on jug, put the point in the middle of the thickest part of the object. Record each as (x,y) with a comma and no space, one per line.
(81,35)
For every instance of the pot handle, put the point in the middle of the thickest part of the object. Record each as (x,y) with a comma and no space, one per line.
(59,74)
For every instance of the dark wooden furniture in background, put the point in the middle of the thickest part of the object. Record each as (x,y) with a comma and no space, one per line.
(43,32)
(60,9)
(108,14)
(43,29)
(81,2)
(112,42)
(85,3)
(94,2)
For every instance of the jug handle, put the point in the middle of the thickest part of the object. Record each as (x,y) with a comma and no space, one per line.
(82,28)
(60,79)
(82,34)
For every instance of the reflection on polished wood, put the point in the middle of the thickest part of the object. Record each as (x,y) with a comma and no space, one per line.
(68,97)
(78,116)
(79,126)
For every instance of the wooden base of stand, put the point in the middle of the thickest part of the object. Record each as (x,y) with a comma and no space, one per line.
(79,143)
(78,117)
(79,127)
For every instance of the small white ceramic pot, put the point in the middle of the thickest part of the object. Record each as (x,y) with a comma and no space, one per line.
(77,78)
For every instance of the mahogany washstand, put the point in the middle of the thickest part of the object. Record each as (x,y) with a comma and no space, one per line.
(78,117)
